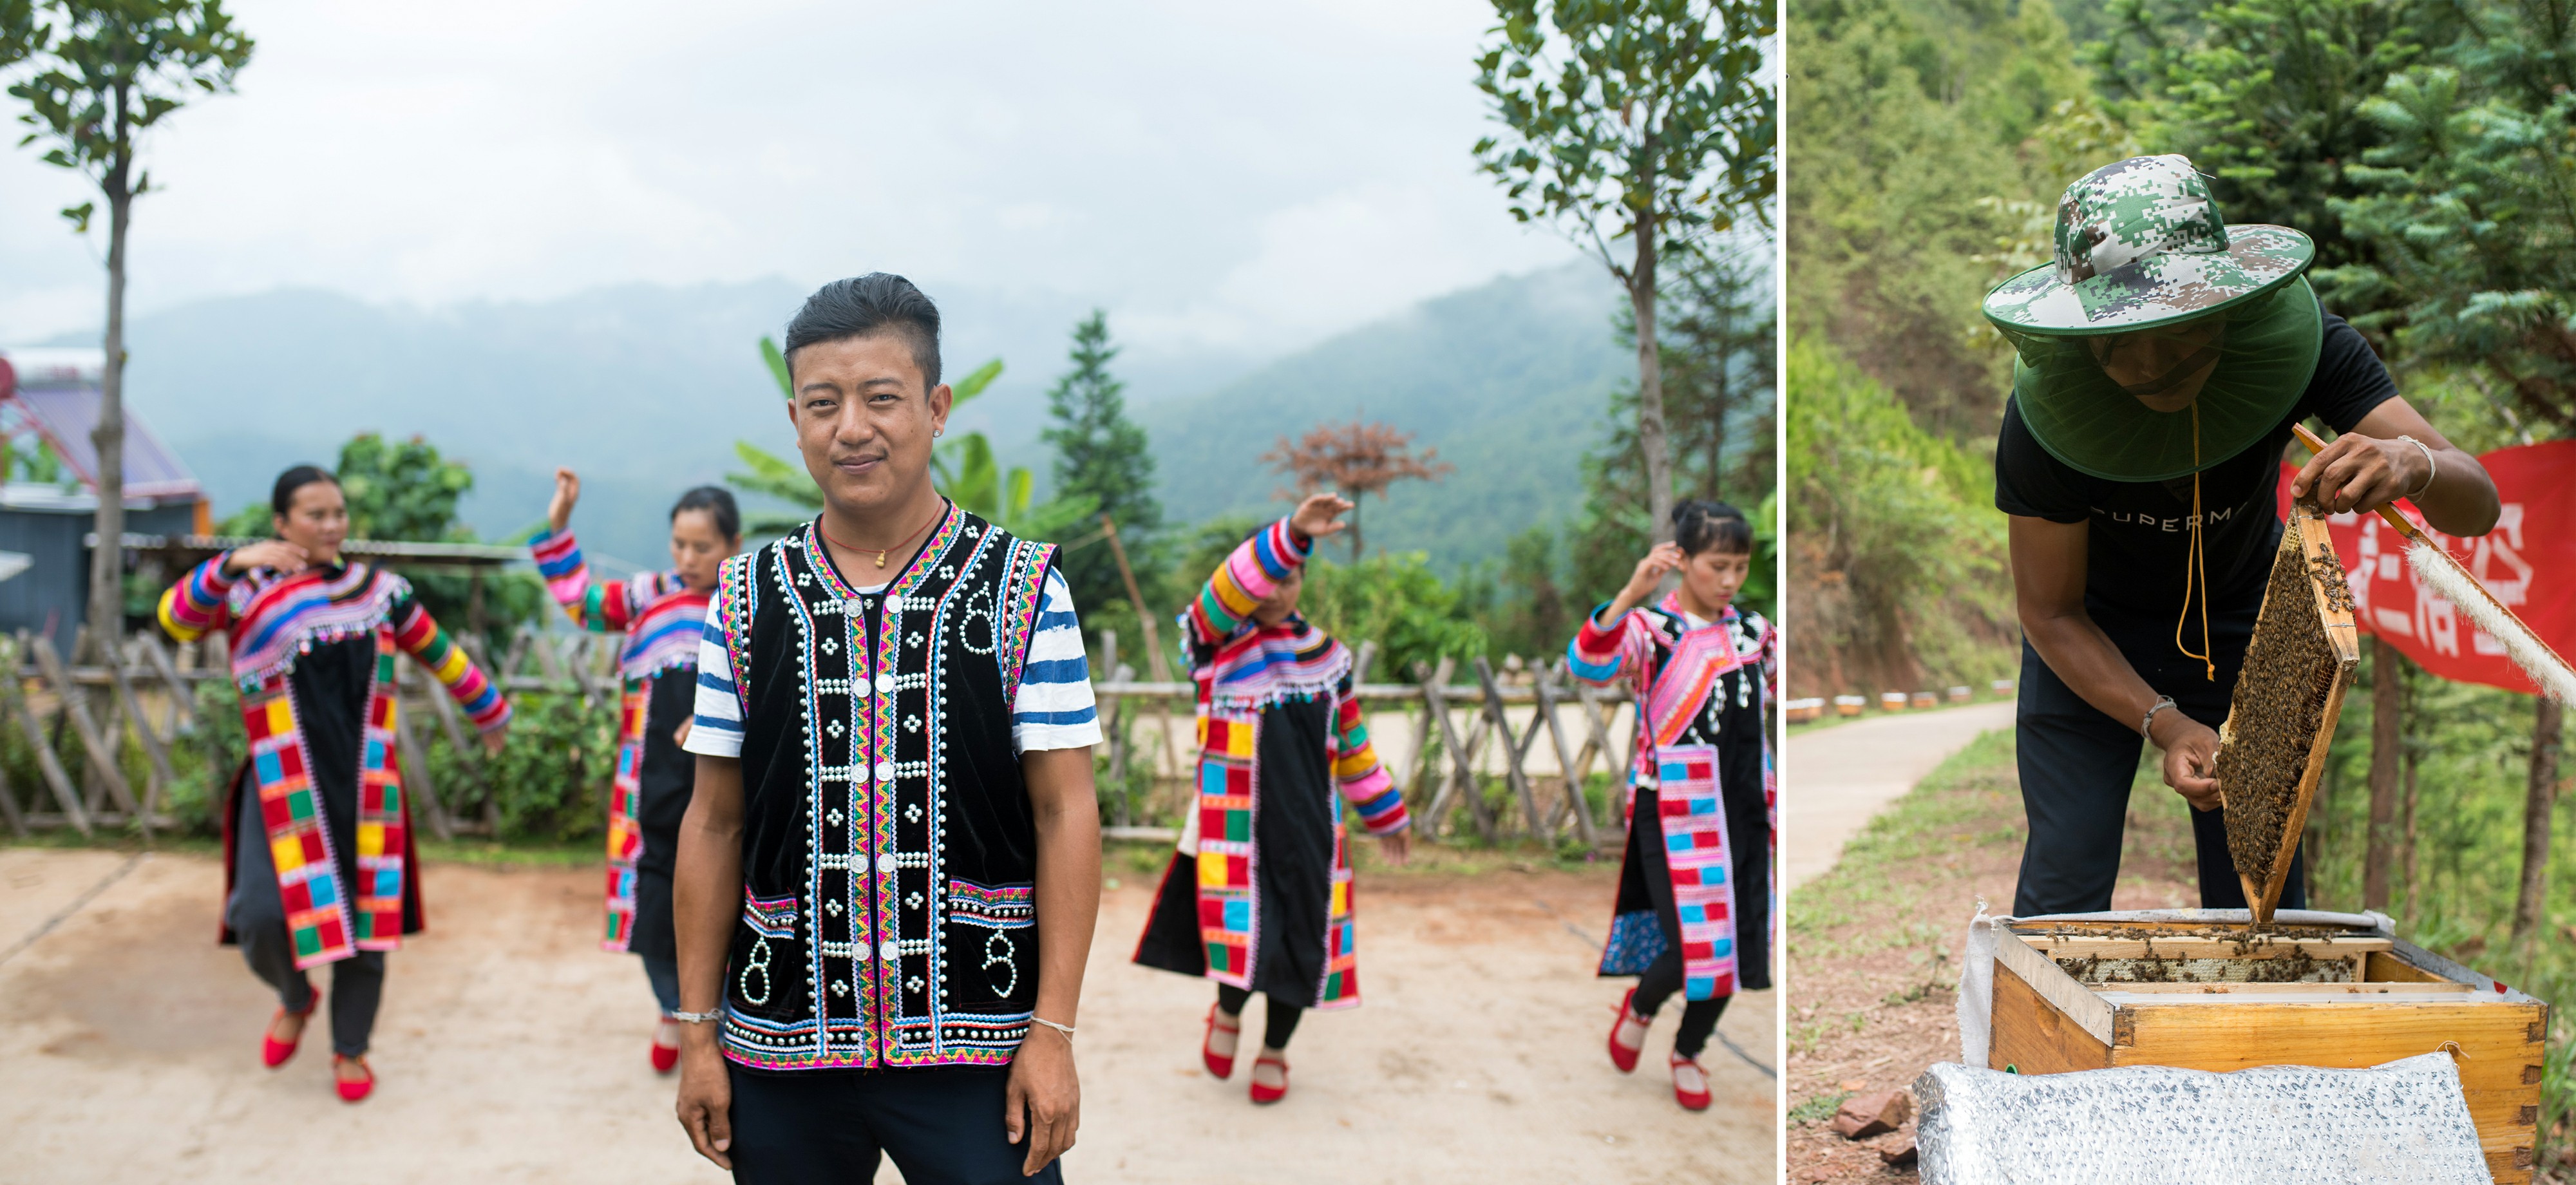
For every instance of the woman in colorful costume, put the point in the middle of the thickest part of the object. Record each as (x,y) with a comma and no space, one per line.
(663,615)
(1694,909)
(319,867)
(1258,898)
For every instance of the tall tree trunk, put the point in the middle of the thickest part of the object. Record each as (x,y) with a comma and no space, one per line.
(2386,713)
(107,560)
(1718,394)
(1651,445)
(2539,799)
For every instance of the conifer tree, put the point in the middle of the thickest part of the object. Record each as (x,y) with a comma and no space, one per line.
(1101,454)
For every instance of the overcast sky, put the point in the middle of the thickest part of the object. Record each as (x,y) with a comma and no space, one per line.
(1221,176)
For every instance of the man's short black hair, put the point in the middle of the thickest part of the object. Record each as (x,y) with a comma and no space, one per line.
(874,303)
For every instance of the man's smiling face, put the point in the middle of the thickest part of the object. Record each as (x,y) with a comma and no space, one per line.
(863,420)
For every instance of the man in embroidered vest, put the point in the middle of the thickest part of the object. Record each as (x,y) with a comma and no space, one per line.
(888,875)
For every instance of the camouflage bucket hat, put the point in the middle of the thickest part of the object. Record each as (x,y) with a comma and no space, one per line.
(2140,243)
(2267,352)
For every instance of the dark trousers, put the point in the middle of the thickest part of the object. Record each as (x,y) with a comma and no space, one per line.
(942,1126)
(664,975)
(258,921)
(1663,977)
(1276,1028)
(2076,769)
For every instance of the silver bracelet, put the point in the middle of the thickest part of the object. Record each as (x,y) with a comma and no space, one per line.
(696,1018)
(2432,468)
(2147,726)
(1067,1030)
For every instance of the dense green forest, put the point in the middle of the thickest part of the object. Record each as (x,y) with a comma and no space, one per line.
(2425,145)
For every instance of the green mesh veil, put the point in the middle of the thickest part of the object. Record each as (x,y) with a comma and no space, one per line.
(2084,419)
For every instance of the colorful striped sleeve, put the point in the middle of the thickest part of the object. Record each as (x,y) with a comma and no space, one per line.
(716,728)
(1600,654)
(419,636)
(591,604)
(1054,708)
(194,607)
(1362,777)
(1239,584)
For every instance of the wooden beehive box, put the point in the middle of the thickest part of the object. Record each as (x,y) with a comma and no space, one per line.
(2281,718)
(2088,995)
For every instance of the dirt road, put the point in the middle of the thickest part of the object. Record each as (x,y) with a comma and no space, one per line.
(511,1049)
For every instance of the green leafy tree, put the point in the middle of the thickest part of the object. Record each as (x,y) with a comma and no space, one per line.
(1101,460)
(1721,367)
(20,35)
(1397,601)
(106,71)
(1915,122)
(407,491)
(1648,120)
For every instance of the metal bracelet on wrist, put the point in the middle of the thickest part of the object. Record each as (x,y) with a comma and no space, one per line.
(2147,724)
(2432,468)
(697,1018)
(1067,1030)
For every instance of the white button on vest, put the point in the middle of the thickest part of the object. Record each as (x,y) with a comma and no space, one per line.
(885,771)
(860,686)
(885,682)
(889,952)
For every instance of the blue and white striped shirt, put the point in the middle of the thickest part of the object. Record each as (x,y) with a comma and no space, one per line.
(1055,709)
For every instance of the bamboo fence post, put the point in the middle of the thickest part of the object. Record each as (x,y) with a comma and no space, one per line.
(183,697)
(408,736)
(1543,684)
(1512,750)
(9,806)
(1462,763)
(1422,731)
(57,779)
(153,749)
(102,757)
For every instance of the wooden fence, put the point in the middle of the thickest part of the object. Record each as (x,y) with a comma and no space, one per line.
(1446,741)
(1461,736)
(148,702)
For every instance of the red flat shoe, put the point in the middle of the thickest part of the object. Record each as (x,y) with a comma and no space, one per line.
(1625,1056)
(664,1056)
(1264,1094)
(1222,1067)
(351,1092)
(273,1052)
(1690,1084)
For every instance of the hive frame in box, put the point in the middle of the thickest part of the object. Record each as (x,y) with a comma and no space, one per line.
(2403,1000)
(2316,551)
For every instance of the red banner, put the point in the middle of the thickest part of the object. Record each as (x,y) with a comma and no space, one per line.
(2528,561)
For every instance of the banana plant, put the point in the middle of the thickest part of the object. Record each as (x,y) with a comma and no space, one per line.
(963,468)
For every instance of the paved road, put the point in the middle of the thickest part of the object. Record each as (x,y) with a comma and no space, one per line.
(512,1050)
(1834,779)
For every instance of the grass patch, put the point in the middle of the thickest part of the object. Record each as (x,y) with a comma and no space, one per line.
(1818,1108)
(1956,804)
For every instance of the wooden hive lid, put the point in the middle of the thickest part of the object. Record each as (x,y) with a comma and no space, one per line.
(2283,711)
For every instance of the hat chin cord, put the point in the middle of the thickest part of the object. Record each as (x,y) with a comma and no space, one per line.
(2196,567)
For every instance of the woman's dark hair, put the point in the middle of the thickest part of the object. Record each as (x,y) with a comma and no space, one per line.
(873,303)
(1700,525)
(281,497)
(717,501)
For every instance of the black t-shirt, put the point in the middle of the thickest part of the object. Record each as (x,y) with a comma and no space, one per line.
(2140,543)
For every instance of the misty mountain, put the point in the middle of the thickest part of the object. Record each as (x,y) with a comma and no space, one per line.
(644,389)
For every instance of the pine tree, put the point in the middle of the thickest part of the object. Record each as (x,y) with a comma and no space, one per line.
(1100,453)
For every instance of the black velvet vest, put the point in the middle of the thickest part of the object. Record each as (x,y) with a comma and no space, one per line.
(889,854)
